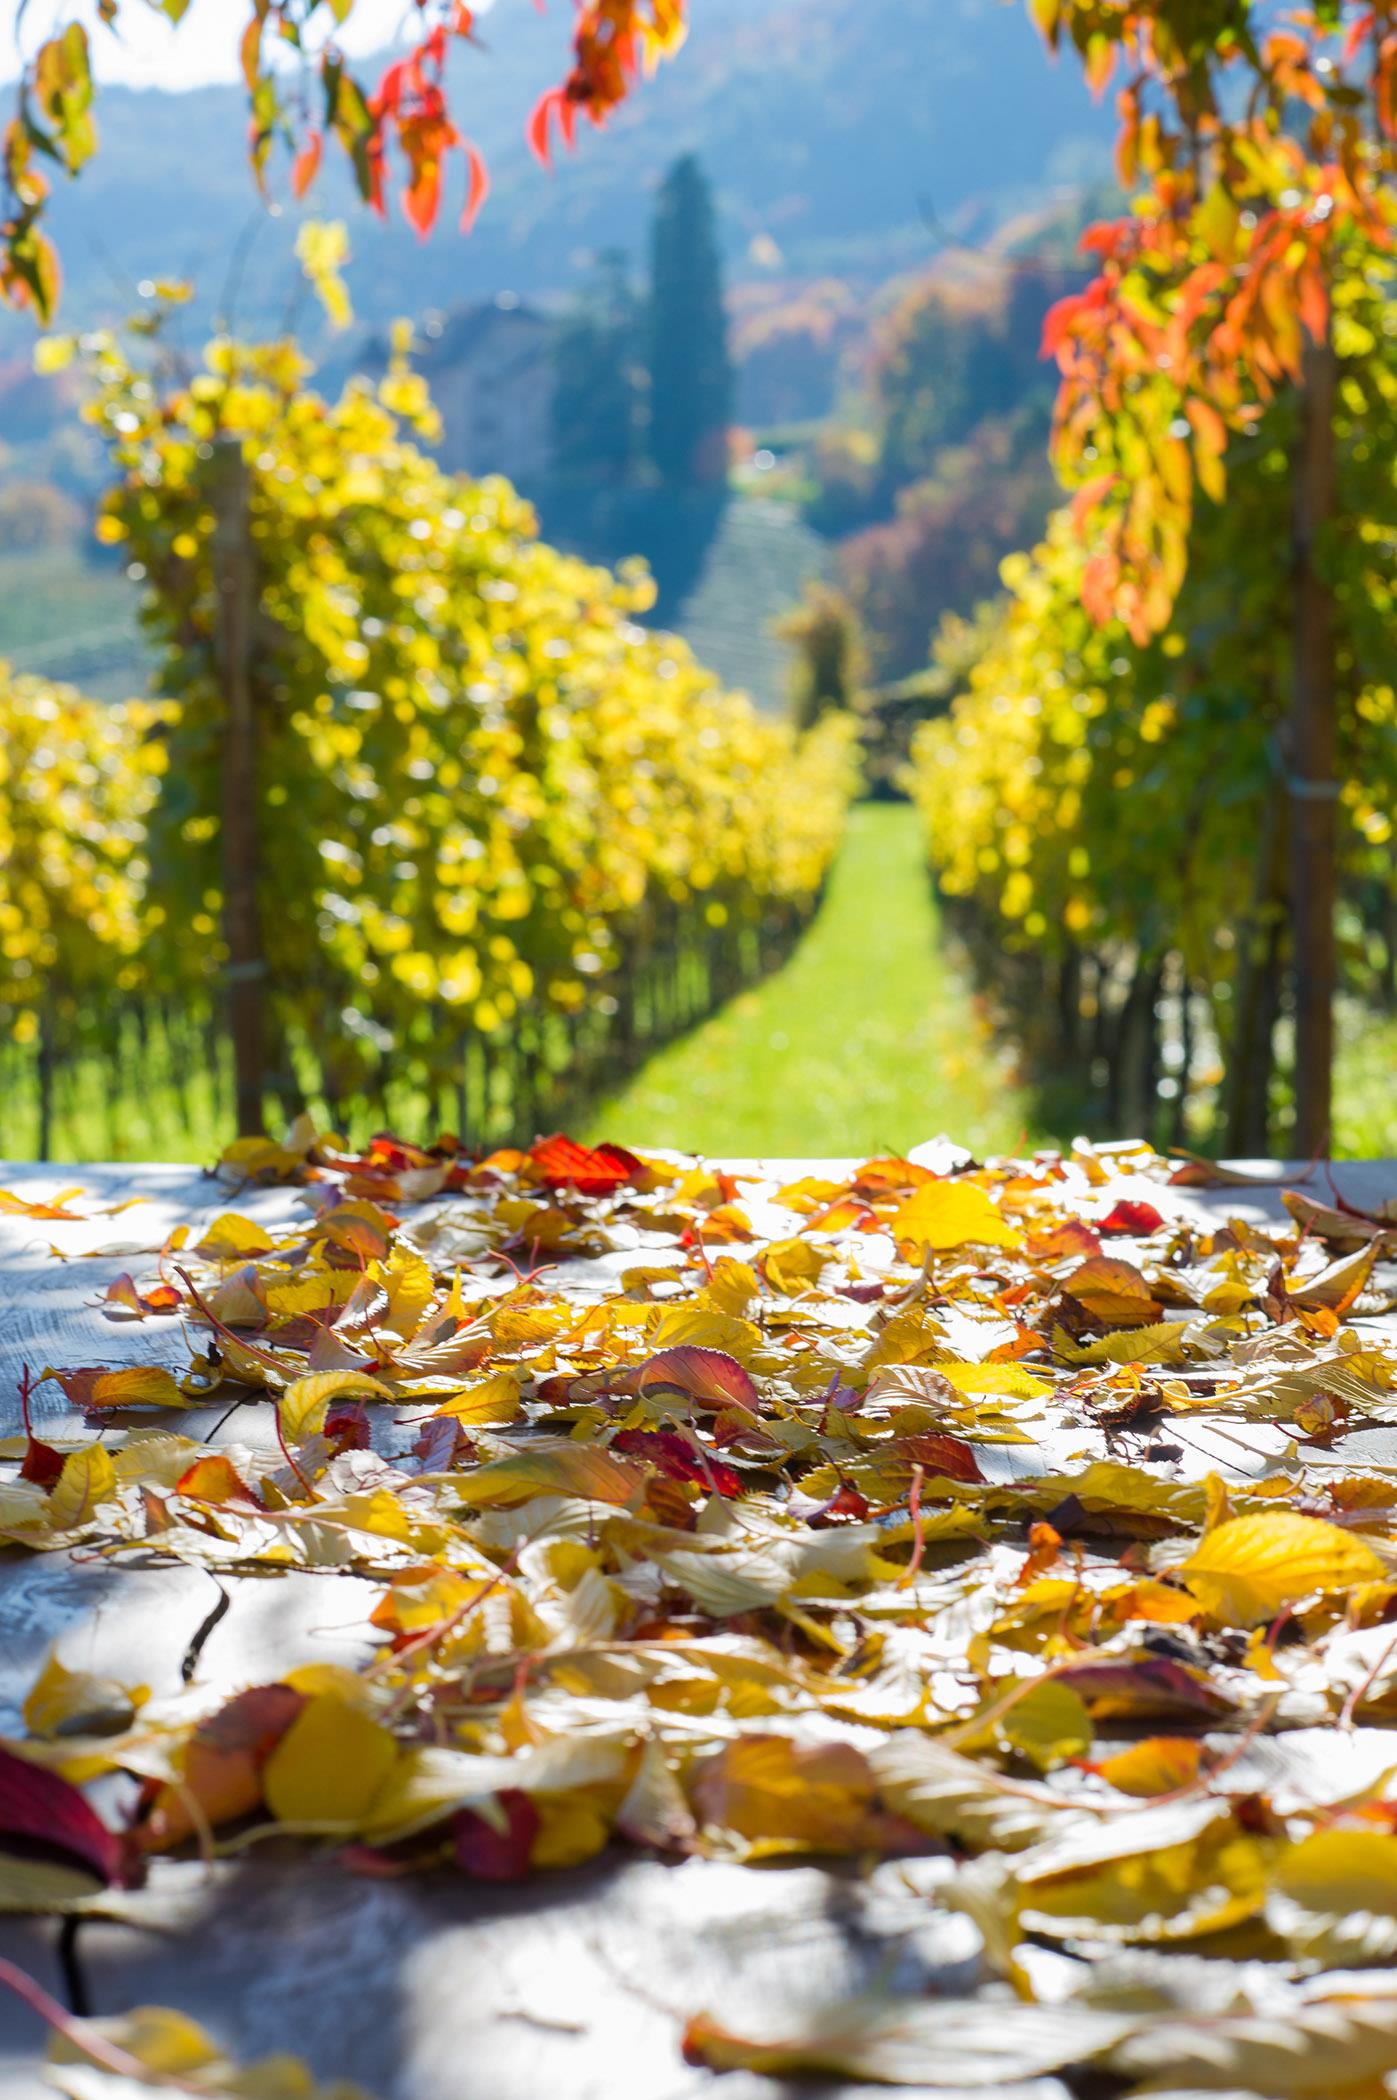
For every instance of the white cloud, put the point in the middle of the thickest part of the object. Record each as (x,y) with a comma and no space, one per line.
(151,52)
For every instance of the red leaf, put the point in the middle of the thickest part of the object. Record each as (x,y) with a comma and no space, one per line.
(1071,1237)
(668,1450)
(439,1443)
(493,1855)
(42,1464)
(422,197)
(347,1426)
(1132,1217)
(39,1809)
(709,1375)
(1144,1687)
(941,1457)
(1113,1292)
(560,1162)
(846,1502)
(1314,302)
(389,93)
(253,1721)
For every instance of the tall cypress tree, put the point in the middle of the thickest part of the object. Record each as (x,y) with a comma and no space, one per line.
(690,373)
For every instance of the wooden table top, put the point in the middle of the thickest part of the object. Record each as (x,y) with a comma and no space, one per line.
(574,1984)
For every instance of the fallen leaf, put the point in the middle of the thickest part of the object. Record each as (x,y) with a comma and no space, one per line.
(1249,1568)
(944,1215)
(96,1390)
(1113,1292)
(328,1766)
(37,1808)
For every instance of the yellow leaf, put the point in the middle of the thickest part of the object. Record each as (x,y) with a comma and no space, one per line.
(165,2042)
(310,1293)
(53,353)
(1174,1892)
(570,1830)
(408,1282)
(682,1325)
(88,1478)
(1048,1725)
(792,1266)
(1160,1343)
(1003,1381)
(301,1408)
(495,1399)
(732,1286)
(946,1214)
(43,1887)
(1334,1897)
(557,1469)
(144,1385)
(230,1236)
(781,1796)
(1160,1765)
(322,248)
(328,1766)
(72,1702)
(1216,221)
(1249,1568)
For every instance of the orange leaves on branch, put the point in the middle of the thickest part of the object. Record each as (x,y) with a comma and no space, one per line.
(1262,152)
(614,42)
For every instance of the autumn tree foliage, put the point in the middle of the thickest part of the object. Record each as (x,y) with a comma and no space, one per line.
(304,98)
(1261,147)
(1107,814)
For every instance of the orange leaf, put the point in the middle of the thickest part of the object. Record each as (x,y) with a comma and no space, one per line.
(216,1480)
(479,188)
(1113,1292)
(307,164)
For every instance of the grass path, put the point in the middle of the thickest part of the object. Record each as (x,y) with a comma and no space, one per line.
(867,1041)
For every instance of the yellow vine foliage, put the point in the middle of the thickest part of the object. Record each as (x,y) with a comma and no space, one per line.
(78,779)
(486,792)
(1087,789)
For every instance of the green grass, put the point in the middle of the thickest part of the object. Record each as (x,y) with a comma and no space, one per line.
(867,1040)
(1365,1088)
(134,1112)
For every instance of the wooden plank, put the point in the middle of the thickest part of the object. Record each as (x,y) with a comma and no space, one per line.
(573,1984)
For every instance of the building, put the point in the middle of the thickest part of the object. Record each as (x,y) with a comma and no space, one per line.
(490,369)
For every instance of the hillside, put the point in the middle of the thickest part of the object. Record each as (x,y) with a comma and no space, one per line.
(832,126)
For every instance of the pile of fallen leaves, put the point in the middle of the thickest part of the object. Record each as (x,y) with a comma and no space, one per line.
(994,1517)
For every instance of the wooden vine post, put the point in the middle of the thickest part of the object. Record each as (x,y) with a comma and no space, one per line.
(235,612)
(1312,758)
